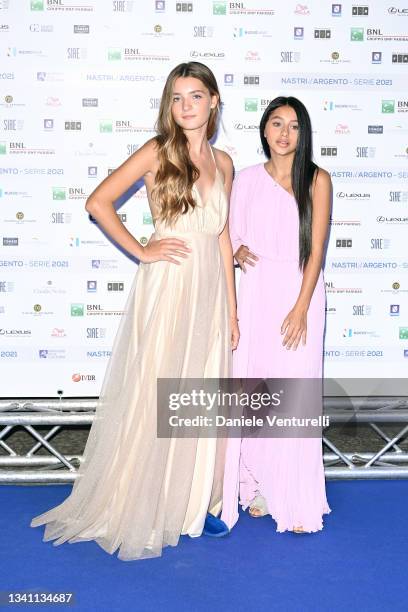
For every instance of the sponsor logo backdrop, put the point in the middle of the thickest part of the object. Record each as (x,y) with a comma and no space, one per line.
(80,86)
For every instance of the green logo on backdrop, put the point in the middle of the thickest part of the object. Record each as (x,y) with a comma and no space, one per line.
(37,5)
(403,333)
(251,105)
(77,310)
(3,148)
(357,34)
(219,8)
(147,218)
(388,106)
(105,127)
(58,193)
(114,54)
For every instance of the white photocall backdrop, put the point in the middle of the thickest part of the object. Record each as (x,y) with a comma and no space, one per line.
(80,85)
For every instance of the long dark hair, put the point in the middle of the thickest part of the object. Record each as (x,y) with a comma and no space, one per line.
(177,173)
(303,169)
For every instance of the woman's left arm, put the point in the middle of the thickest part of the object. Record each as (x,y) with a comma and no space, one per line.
(226,252)
(295,324)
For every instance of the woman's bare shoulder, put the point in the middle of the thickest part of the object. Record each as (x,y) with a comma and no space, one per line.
(321,179)
(224,161)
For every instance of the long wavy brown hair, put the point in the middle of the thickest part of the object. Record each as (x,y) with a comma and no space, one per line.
(176,174)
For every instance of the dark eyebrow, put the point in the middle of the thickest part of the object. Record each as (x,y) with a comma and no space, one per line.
(278,117)
(176,93)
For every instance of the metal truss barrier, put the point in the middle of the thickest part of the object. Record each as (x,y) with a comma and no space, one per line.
(57,468)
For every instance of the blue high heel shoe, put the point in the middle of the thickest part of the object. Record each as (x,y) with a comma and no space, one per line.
(214,527)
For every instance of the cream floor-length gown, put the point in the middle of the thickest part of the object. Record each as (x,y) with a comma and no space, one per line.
(136,492)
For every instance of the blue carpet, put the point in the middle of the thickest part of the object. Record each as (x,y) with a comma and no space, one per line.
(358,562)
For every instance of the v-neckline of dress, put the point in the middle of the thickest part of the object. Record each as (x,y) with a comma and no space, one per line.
(213,183)
(276,182)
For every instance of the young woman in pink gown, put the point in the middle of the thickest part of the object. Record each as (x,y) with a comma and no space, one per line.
(279,220)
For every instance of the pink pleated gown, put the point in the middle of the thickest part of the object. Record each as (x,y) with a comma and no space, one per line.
(287,472)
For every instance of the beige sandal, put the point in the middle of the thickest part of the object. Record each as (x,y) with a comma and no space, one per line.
(258,507)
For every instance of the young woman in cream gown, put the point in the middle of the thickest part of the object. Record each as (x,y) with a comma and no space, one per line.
(136,492)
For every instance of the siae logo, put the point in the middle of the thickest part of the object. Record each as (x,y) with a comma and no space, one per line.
(123,6)
(365,152)
(76,53)
(289,57)
(203,31)
(60,217)
(380,244)
(398,196)
(154,103)
(361,310)
(95,332)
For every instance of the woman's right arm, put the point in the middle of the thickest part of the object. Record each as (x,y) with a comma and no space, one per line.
(100,205)
(237,224)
